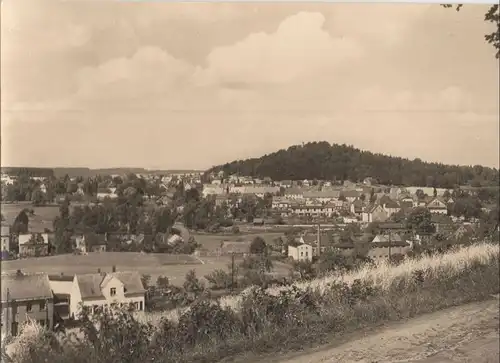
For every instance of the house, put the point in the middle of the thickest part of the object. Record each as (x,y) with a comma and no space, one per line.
(61,286)
(356,207)
(301,252)
(25,297)
(351,195)
(375,213)
(389,205)
(80,245)
(294,193)
(323,196)
(444,224)
(103,193)
(438,206)
(312,240)
(105,289)
(5,237)
(174,239)
(33,244)
(384,247)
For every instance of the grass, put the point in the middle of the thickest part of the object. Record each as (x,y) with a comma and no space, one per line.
(283,319)
(173,266)
(212,241)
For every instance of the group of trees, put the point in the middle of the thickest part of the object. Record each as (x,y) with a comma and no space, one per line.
(320,160)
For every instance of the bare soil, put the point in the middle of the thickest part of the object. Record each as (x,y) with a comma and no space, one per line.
(468,333)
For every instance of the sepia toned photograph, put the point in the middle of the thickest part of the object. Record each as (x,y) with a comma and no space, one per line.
(249,182)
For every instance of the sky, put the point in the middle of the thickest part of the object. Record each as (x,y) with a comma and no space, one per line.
(192,85)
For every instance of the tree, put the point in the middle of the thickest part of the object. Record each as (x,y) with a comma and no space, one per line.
(192,285)
(332,261)
(491,16)
(21,223)
(420,221)
(305,269)
(162,282)
(258,245)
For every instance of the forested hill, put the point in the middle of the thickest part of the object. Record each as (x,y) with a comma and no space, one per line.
(322,161)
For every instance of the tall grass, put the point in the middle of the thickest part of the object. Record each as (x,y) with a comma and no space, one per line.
(281,318)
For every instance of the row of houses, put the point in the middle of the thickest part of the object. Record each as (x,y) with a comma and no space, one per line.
(49,299)
(381,247)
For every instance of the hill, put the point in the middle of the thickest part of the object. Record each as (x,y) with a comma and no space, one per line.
(320,160)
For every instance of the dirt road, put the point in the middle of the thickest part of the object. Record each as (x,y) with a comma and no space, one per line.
(468,333)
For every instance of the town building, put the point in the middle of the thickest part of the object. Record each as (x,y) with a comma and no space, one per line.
(105,289)
(25,297)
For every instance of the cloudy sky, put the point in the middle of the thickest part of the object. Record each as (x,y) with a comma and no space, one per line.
(172,85)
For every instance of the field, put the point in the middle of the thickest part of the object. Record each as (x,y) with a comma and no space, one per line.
(41,219)
(174,267)
(212,241)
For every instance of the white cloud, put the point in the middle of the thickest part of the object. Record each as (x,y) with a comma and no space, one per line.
(300,48)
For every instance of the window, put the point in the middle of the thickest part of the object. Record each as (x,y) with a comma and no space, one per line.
(29,307)
(112,291)
(41,323)
(140,305)
(302,254)
(42,305)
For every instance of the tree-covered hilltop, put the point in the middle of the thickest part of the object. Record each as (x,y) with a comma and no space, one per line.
(322,161)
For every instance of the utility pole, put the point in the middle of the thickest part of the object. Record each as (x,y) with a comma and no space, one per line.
(8,312)
(390,245)
(232,272)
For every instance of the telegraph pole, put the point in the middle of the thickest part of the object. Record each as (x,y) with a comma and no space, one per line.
(8,312)
(232,271)
(390,245)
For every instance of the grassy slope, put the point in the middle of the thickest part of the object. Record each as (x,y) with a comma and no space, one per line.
(413,288)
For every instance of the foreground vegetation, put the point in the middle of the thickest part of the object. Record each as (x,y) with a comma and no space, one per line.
(279,318)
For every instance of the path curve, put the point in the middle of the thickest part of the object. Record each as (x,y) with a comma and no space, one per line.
(468,333)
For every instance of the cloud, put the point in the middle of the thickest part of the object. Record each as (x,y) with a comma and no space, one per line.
(300,48)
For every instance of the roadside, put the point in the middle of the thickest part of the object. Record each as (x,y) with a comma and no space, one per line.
(468,333)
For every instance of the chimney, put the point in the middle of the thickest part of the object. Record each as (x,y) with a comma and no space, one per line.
(113,269)
(62,273)
(98,270)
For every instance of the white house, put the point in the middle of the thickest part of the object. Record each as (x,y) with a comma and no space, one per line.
(437,206)
(104,289)
(302,252)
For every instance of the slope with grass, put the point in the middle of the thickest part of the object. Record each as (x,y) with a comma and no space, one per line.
(281,320)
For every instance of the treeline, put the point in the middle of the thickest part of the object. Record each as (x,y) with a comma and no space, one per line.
(31,172)
(322,161)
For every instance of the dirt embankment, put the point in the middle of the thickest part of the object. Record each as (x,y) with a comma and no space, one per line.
(468,333)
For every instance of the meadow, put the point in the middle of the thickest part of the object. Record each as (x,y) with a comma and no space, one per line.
(270,321)
(175,267)
(212,241)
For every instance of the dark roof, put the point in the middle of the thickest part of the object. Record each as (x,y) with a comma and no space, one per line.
(392,244)
(25,287)
(61,277)
(391,226)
